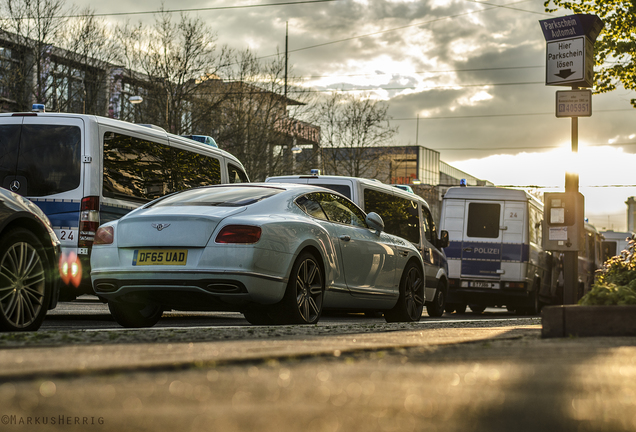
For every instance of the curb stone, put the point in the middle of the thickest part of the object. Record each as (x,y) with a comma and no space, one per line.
(586,321)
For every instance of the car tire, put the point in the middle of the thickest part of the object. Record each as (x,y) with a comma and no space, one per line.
(256,316)
(135,315)
(26,281)
(534,304)
(435,308)
(303,299)
(410,302)
(477,308)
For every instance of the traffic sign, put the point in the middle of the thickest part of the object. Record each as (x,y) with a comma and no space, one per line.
(574,103)
(570,62)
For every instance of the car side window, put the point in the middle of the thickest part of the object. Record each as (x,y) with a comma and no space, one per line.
(310,205)
(429,225)
(341,210)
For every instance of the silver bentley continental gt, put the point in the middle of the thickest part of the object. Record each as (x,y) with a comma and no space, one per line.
(279,254)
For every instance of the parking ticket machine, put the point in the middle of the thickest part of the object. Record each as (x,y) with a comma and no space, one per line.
(563,221)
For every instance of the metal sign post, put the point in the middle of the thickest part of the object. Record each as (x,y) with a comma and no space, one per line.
(570,62)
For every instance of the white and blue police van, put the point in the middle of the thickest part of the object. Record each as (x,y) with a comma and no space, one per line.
(85,170)
(405,214)
(614,243)
(495,256)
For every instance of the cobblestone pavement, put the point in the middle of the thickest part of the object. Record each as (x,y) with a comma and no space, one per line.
(467,378)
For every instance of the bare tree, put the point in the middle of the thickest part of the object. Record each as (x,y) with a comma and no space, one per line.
(33,26)
(80,82)
(175,61)
(352,129)
(253,122)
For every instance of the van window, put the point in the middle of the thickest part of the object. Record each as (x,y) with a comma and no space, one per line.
(143,170)
(44,158)
(236,175)
(341,189)
(191,169)
(483,220)
(400,215)
(609,249)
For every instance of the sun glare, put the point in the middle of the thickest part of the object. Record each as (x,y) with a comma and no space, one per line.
(598,168)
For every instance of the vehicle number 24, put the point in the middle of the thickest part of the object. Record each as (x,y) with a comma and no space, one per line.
(66,235)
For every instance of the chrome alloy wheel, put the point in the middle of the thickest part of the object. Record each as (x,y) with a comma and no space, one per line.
(414,293)
(309,290)
(22,285)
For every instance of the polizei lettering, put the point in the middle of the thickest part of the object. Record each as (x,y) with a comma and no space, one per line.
(487,251)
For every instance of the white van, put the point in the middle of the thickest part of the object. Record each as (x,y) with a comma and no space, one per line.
(404,214)
(614,243)
(85,170)
(495,256)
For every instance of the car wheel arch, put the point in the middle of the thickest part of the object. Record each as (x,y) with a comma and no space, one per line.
(33,225)
(25,221)
(315,251)
(417,262)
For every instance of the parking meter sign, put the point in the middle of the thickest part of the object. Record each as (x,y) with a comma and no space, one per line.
(574,103)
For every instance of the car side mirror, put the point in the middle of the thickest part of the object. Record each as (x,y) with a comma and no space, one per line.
(444,240)
(375,222)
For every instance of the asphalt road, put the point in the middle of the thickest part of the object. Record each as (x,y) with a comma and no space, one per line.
(214,372)
(89,313)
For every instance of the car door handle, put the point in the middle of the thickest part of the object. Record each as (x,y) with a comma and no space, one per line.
(467,249)
(345,237)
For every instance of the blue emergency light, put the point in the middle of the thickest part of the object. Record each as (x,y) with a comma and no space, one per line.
(202,139)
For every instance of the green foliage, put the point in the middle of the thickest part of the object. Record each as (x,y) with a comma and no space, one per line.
(615,283)
(615,48)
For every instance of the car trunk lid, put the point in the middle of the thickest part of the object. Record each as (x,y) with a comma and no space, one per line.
(184,226)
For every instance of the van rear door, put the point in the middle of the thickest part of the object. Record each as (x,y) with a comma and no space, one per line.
(46,167)
(482,239)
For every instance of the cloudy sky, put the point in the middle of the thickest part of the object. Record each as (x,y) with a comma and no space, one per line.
(472,71)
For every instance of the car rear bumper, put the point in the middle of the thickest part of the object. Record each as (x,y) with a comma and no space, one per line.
(196,290)
(502,295)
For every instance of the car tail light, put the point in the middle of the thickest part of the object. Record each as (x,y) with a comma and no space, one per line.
(89,221)
(104,235)
(243,234)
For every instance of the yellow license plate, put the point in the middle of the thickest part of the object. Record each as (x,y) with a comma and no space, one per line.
(160,257)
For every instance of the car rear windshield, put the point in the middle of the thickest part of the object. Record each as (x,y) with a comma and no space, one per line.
(217,196)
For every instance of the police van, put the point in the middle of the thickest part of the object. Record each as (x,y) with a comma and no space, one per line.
(85,170)
(404,214)
(495,256)
(614,243)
